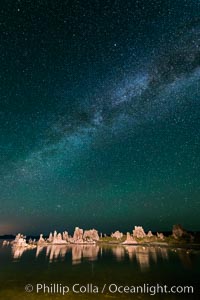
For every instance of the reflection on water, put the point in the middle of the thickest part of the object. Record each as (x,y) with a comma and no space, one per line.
(119,252)
(185,258)
(39,250)
(17,252)
(89,252)
(56,251)
(143,255)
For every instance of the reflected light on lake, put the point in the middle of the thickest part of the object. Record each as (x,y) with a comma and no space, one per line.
(17,252)
(142,255)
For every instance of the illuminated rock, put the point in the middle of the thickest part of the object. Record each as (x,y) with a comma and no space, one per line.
(41,239)
(20,241)
(149,234)
(91,234)
(57,239)
(129,240)
(50,238)
(5,243)
(117,234)
(138,232)
(160,236)
(65,236)
(78,236)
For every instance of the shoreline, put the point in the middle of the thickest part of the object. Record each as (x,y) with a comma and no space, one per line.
(177,245)
(179,238)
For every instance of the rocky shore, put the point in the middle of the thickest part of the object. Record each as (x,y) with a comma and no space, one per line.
(87,237)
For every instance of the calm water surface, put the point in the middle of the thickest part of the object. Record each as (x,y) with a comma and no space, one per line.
(97,265)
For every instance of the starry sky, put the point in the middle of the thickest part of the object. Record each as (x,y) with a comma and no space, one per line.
(99,114)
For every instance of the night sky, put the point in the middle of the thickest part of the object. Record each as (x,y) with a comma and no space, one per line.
(99,115)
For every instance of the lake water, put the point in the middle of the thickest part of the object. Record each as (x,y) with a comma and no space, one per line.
(98,272)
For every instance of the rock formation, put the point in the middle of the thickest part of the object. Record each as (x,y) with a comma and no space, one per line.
(129,239)
(138,232)
(41,239)
(160,236)
(91,234)
(20,241)
(117,234)
(84,237)
(178,231)
(30,241)
(5,243)
(78,235)
(65,236)
(57,239)
(50,238)
(149,234)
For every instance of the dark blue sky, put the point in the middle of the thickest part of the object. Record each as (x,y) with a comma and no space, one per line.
(99,115)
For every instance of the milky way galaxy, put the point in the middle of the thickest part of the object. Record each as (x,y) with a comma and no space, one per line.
(99,115)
